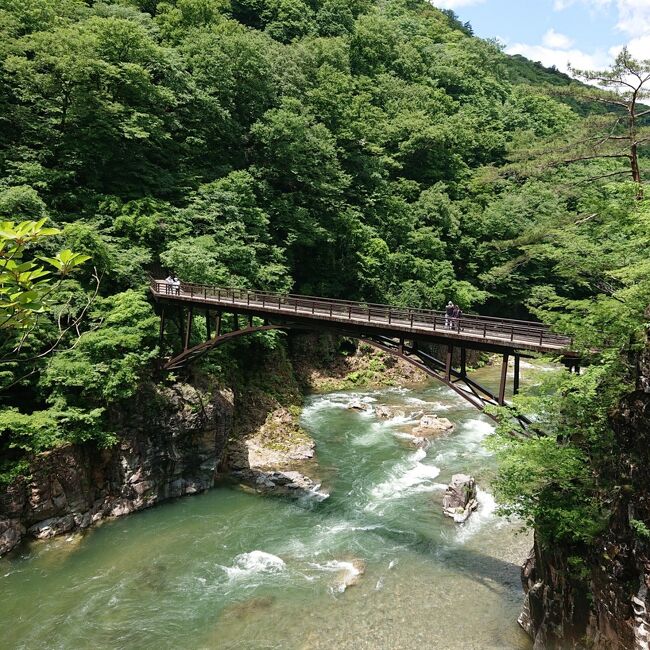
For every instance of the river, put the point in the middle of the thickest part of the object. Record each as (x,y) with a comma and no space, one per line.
(228,569)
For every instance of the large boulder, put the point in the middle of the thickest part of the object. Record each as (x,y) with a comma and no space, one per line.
(432,425)
(459,500)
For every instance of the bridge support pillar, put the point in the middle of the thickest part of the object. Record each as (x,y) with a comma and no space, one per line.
(208,325)
(515,386)
(217,325)
(235,321)
(450,355)
(504,377)
(162,328)
(250,321)
(463,362)
(188,328)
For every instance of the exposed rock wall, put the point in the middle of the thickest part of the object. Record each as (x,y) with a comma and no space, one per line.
(605,604)
(171,441)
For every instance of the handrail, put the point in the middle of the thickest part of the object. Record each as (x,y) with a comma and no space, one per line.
(290,296)
(410,318)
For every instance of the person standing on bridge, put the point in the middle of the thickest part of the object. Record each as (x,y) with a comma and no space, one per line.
(169,284)
(457,314)
(177,285)
(449,313)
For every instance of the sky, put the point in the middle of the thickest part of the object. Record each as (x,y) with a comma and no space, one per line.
(585,33)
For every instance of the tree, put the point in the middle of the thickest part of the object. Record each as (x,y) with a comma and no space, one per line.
(606,137)
(625,86)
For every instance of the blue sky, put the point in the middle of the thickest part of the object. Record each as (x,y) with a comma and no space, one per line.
(586,33)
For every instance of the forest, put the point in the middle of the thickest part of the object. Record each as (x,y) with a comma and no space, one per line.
(362,149)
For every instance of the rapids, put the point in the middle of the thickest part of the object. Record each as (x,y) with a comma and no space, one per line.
(232,570)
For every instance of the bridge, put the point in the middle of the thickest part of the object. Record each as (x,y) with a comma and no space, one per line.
(416,335)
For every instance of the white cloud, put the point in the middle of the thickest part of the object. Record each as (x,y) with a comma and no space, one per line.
(555,40)
(455,4)
(560,58)
(633,15)
(639,48)
(556,49)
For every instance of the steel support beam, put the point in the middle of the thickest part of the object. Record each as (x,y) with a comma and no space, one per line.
(181,327)
(188,329)
(515,385)
(504,378)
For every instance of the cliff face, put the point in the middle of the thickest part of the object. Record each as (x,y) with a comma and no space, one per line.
(606,604)
(171,441)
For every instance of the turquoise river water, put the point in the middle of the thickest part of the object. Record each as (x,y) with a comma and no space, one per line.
(233,570)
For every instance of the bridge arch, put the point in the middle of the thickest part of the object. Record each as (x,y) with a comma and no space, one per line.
(455,378)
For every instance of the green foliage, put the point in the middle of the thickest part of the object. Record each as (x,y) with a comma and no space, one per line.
(109,361)
(548,485)
(640,529)
(566,483)
(24,283)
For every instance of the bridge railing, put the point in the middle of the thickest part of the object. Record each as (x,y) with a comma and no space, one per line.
(410,317)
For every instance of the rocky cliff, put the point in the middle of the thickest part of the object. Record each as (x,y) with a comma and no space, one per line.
(598,597)
(171,441)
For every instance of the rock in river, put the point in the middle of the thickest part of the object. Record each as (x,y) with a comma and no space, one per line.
(358,405)
(459,500)
(287,483)
(388,412)
(431,425)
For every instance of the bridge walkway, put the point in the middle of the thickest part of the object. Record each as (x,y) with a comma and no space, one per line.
(493,334)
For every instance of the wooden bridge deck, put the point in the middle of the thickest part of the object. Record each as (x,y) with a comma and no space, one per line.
(476,331)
